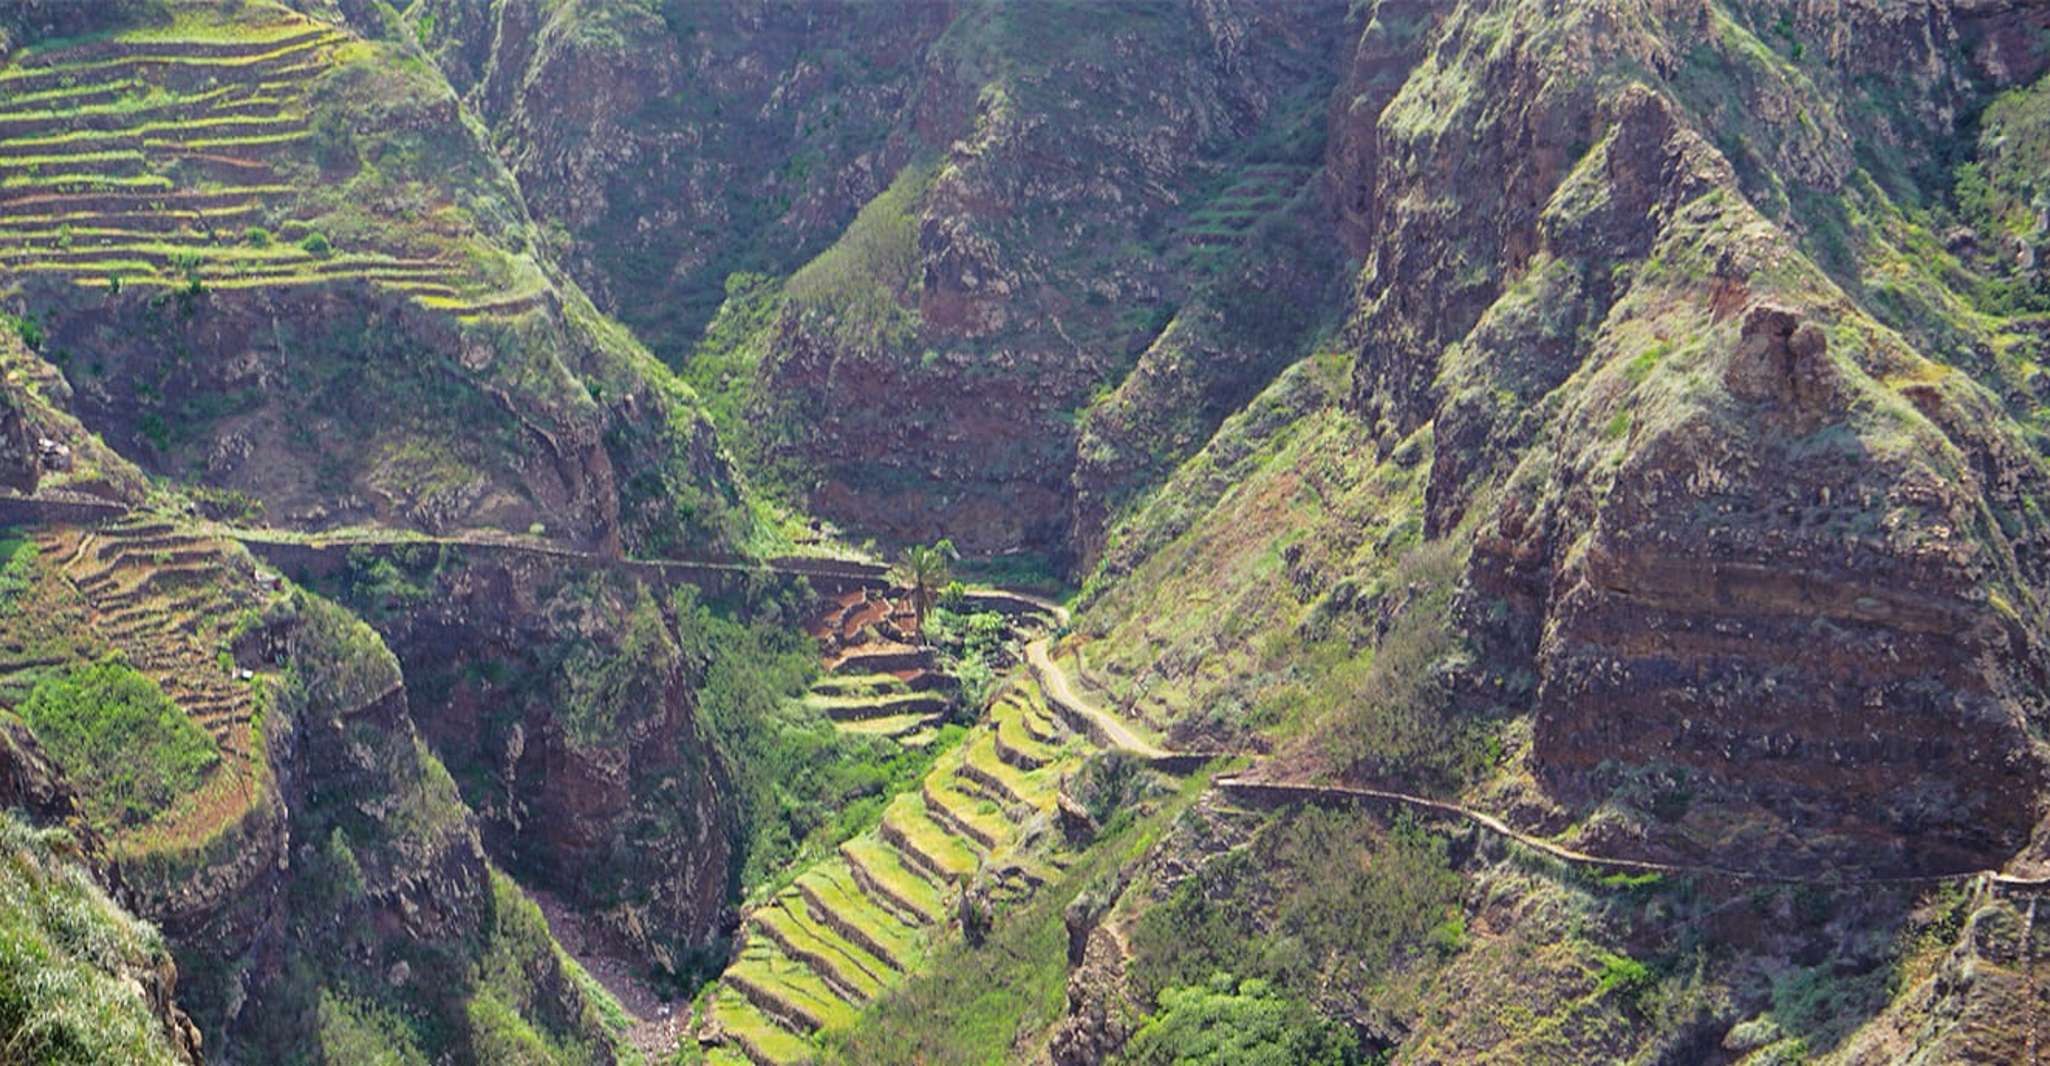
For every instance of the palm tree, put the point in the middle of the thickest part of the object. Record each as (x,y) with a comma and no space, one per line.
(925,571)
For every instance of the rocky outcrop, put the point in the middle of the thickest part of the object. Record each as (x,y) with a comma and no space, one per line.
(561,700)
(1739,586)
(31,783)
(1782,363)
(1983,1000)
(1026,312)
(1100,1016)
(42,444)
(677,147)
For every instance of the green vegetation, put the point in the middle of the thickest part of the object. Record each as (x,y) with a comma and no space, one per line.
(857,286)
(970,1000)
(1349,899)
(628,680)
(721,366)
(972,647)
(353,1031)
(17,570)
(509,1019)
(383,584)
(68,957)
(1227,1022)
(804,786)
(1624,976)
(130,751)
(925,570)
(25,327)
(2004,194)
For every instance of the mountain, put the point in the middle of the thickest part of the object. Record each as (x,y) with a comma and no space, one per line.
(1485,530)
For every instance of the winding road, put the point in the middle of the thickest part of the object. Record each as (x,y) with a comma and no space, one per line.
(1105,727)
(1113,733)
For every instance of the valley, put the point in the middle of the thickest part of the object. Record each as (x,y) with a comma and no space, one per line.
(1061,532)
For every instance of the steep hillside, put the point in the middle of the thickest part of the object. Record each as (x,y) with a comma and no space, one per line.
(1554,495)
(670,145)
(1039,188)
(247,234)
(247,754)
(81,980)
(1653,417)
(1680,503)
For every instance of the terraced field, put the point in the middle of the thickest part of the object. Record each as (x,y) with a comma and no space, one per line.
(854,926)
(171,158)
(166,600)
(877,681)
(1226,220)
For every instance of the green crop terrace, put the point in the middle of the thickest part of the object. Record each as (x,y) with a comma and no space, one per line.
(855,925)
(178,157)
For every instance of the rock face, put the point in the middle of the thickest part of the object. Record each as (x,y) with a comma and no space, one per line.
(944,403)
(318,375)
(42,444)
(1982,1002)
(675,146)
(372,873)
(563,704)
(1753,546)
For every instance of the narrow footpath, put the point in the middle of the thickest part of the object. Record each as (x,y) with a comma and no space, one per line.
(1240,786)
(1105,728)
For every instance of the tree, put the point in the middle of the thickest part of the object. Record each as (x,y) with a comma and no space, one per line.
(925,571)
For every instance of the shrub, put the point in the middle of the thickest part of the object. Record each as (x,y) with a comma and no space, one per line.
(380,588)
(1625,976)
(17,571)
(256,236)
(28,329)
(65,953)
(130,751)
(316,243)
(1231,1023)
(352,1031)
(1342,901)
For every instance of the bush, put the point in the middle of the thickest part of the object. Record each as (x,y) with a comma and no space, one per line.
(358,1032)
(65,955)
(1232,1023)
(1625,976)
(316,243)
(1111,784)
(129,750)
(17,571)
(256,236)
(972,646)
(28,329)
(1341,901)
